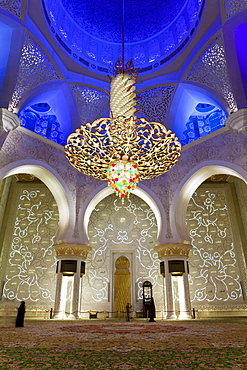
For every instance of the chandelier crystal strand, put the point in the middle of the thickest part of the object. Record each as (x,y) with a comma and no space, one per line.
(123,150)
(122,177)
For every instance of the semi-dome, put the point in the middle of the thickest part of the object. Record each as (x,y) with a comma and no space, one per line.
(91,32)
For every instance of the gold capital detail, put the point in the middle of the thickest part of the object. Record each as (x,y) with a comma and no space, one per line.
(72,249)
(173,249)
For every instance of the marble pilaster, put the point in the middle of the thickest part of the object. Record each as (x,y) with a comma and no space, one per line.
(171,252)
(69,251)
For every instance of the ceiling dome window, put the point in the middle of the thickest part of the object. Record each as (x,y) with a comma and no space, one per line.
(41,107)
(91,32)
(206,118)
(41,119)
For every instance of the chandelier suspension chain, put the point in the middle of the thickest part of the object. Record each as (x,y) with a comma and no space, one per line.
(123,34)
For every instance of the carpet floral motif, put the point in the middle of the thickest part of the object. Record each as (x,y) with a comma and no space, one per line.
(111,345)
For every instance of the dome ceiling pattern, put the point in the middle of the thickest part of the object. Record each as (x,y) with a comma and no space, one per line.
(103,20)
(91,32)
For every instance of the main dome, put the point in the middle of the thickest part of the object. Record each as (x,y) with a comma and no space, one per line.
(142,19)
(155,32)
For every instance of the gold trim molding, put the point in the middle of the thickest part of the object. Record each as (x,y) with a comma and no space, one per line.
(72,249)
(173,249)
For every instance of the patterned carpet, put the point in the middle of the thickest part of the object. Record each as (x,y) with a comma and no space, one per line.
(108,345)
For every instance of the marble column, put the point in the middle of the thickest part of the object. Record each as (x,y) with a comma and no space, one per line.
(58,312)
(78,253)
(169,297)
(76,291)
(175,252)
(185,310)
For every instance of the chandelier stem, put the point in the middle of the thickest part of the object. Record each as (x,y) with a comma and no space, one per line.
(123,34)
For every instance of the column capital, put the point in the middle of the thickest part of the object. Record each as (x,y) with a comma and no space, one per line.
(173,250)
(8,120)
(72,250)
(237,121)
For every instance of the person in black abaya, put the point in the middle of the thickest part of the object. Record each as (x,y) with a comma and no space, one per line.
(20,315)
(152,313)
(128,312)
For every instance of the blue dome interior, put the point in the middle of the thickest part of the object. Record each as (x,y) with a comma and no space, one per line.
(91,33)
(103,19)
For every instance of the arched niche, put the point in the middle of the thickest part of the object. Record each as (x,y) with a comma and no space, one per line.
(54,182)
(60,98)
(184,101)
(141,191)
(115,231)
(189,185)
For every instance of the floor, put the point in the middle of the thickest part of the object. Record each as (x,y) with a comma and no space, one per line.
(190,344)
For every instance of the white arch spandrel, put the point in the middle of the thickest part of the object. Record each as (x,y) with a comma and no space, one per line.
(55,184)
(188,186)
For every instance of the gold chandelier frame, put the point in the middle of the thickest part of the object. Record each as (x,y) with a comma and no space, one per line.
(93,147)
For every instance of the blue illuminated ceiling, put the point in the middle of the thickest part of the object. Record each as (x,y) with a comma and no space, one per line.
(241,48)
(103,19)
(91,32)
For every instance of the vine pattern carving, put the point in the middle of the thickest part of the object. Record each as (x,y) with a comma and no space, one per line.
(31,265)
(112,227)
(214,271)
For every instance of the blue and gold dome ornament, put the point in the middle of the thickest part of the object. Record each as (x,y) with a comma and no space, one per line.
(123,150)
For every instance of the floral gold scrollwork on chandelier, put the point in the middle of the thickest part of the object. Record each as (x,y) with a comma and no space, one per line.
(123,149)
(93,147)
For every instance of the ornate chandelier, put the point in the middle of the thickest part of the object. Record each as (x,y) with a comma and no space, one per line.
(123,149)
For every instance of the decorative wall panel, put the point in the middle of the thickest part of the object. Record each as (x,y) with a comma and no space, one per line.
(234,7)
(45,124)
(130,230)
(215,260)
(211,70)
(35,69)
(30,272)
(12,6)
(155,103)
(91,103)
(201,124)
(241,193)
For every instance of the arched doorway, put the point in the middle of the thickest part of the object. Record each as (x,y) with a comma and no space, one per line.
(122,286)
(115,231)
